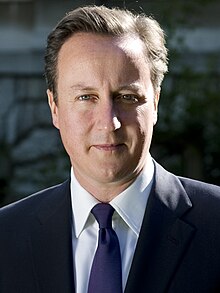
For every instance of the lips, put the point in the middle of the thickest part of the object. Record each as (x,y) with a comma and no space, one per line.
(109,147)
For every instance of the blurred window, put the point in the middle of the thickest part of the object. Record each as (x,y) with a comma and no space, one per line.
(17,13)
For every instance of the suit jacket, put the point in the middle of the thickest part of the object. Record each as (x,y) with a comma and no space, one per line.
(178,248)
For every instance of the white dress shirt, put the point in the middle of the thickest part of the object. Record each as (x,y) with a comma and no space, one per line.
(127,219)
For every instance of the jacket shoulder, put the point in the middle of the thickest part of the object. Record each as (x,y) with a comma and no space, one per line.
(202,189)
(31,204)
(176,191)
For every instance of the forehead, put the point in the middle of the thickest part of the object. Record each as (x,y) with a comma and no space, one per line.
(131,44)
(89,43)
(102,59)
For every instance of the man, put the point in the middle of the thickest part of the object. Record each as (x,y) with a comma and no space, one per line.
(104,69)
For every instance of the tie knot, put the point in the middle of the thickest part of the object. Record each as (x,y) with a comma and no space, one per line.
(103,213)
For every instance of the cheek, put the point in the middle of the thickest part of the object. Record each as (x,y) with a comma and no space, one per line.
(144,125)
(145,116)
(74,126)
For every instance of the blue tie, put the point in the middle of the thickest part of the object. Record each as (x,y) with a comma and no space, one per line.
(106,274)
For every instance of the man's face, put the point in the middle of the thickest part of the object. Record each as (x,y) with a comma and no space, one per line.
(106,107)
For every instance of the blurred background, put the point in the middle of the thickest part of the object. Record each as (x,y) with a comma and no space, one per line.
(187,136)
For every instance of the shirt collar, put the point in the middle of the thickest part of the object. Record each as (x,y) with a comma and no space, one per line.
(130,204)
(82,203)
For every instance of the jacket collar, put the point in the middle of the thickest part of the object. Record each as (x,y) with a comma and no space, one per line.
(164,236)
(51,241)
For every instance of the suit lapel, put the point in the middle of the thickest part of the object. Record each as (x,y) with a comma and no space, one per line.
(51,242)
(164,236)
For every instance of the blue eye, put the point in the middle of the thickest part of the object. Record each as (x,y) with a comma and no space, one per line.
(88,97)
(85,97)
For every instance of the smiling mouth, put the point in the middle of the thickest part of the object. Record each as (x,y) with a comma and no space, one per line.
(109,147)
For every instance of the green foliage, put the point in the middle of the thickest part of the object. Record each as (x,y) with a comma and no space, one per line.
(187,137)
(189,116)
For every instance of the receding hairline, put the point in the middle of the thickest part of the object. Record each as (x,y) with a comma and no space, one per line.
(111,22)
(125,41)
(132,46)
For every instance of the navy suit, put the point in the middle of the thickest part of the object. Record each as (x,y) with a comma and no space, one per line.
(178,249)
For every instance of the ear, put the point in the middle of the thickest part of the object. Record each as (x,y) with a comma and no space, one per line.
(53,108)
(156,102)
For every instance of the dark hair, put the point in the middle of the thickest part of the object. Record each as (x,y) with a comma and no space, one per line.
(113,22)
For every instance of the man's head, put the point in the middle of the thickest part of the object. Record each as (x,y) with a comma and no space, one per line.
(110,22)
(104,81)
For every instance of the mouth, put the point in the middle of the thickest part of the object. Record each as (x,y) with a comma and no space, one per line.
(109,147)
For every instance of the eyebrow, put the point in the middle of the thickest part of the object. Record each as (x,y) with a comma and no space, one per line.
(82,86)
(131,87)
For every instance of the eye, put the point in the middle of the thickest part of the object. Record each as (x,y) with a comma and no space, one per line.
(128,98)
(87,98)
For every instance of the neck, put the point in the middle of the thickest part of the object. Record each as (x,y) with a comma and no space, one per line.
(102,191)
(106,194)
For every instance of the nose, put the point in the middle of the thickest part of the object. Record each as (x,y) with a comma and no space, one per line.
(108,117)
